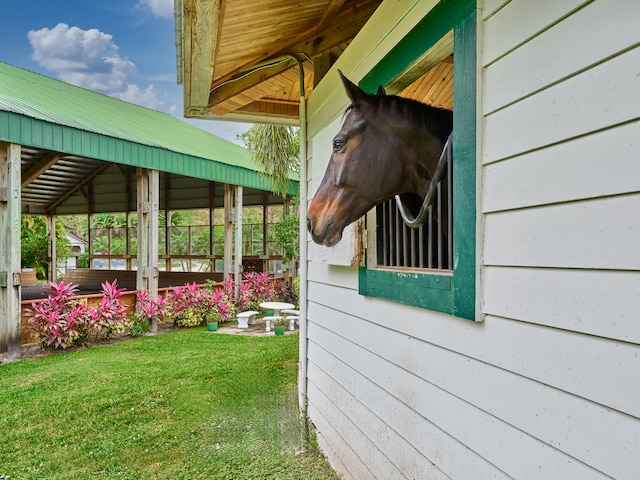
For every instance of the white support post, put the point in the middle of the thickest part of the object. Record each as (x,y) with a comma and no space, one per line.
(52,274)
(212,237)
(228,232)
(10,189)
(154,211)
(167,238)
(212,260)
(237,270)
(89,239)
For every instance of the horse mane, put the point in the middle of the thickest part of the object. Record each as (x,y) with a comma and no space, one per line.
(439,121)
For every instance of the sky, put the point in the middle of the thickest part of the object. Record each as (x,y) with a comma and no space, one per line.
(121,48)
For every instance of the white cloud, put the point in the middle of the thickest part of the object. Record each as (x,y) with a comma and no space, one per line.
(147,97)
(159,8)
(89,59)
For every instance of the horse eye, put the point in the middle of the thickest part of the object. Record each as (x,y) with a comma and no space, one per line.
(338,145)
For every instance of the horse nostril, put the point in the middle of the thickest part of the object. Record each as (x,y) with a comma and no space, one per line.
(309,224)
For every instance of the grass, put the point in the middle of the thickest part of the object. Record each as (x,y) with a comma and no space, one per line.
(183,405)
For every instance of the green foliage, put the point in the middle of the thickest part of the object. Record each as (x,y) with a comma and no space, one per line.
(280,322)
(108,220)
(139,324)
(181,405)
(296,287)
(83,260)
(276,148)
(35,244)
(190,317)
(285,234)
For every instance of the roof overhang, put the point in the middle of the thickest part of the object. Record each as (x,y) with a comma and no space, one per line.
(247,63)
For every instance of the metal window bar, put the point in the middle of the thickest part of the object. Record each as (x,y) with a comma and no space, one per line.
(430,245)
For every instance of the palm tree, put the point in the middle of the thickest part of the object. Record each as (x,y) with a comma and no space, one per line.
(276,148)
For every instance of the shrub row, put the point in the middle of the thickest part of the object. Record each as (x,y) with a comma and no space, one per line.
(63,320)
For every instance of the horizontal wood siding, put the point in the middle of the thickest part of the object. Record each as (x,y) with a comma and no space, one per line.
(581,105)
(555,297)
(548,385)
(503,368)
(560,195)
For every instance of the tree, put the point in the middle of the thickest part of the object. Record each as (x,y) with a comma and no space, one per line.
(35,244)
(276,148)
(285,235)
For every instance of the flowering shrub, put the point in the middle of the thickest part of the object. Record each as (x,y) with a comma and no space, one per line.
(262,287)
(110,317)
(185,305)
(228,288)
(149,309)
(256,288)
(189,317)
(59,320)
(62,321)
(285,291)
(219,304)
(192,305)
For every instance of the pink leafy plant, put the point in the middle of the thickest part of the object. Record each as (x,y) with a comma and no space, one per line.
(60,320)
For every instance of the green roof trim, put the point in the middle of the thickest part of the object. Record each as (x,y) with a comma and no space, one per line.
(42,112)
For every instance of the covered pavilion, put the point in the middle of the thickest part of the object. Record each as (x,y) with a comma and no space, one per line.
(81,152)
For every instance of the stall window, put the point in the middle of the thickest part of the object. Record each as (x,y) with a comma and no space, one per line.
(433,267)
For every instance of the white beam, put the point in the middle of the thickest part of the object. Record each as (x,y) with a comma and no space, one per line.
(152,232)
(237,270)
(52,274)
(228,232)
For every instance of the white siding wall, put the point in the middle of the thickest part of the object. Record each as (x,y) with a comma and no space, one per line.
(548,386)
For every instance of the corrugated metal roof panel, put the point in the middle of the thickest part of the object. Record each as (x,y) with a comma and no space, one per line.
(43,112)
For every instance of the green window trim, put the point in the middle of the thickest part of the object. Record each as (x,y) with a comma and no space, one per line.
(454,294)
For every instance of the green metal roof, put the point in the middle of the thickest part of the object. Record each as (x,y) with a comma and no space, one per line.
(42,112)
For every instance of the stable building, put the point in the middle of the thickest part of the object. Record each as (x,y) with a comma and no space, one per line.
(522,358)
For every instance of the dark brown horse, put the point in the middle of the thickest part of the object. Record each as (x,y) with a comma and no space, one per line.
(388,145)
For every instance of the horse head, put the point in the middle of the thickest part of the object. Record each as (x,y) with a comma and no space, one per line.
(388,145)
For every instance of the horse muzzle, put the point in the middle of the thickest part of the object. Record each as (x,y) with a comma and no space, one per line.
(325,233)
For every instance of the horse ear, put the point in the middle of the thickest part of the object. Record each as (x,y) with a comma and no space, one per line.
(355,93)
(381,91)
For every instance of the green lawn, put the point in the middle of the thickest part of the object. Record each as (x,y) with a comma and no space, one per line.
(186,404)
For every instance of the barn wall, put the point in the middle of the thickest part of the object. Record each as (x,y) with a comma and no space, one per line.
(548,385)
